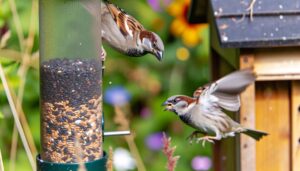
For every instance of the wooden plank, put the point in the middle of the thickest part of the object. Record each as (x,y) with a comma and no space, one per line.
(274,77)
(277,64)
(295,125)
(273,116)
(247,119)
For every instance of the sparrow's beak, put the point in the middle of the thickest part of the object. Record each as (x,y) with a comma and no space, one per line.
(159,55)
(168,106)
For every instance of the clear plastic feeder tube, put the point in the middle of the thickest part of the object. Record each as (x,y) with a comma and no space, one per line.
(70,76)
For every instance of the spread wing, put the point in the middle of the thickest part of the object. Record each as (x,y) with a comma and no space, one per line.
(126,23)
(224,93)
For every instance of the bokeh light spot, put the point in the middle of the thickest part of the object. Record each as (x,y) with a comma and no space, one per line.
(154,141)
(201,163)
(117,96)
(182,54)
(190,37)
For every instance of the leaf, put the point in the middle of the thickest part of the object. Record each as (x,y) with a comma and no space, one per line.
(1,22)
(1,115)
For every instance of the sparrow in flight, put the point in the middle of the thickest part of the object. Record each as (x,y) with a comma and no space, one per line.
(205,110)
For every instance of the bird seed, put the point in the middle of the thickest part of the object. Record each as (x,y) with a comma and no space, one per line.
(71,110)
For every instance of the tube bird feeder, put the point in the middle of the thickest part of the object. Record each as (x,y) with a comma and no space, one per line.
(70,77)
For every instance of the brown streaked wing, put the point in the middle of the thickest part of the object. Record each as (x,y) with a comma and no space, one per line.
(118,16)
(121,18)
(133,24)
(114,11)
(199,90)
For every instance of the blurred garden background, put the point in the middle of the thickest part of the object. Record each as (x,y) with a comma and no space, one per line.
(138,86)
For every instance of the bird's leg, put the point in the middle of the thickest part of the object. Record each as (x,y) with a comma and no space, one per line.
(192,136)
(103,54)
(204,139)
(209,138)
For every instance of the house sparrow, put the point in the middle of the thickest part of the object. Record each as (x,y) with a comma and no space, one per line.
(124,33)
(205,110)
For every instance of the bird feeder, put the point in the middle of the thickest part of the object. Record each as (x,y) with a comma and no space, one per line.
(70,86)
(268,41)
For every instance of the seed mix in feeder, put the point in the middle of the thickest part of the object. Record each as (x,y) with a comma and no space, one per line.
(71,110)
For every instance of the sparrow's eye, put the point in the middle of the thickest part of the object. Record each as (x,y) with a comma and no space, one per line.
(177,100)
(154,45)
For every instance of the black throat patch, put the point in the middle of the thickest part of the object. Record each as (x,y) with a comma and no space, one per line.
(136,53)
(185,118)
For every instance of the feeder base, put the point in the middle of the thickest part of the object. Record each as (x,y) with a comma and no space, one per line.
(97,165)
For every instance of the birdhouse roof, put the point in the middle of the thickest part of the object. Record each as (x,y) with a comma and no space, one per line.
(274,22)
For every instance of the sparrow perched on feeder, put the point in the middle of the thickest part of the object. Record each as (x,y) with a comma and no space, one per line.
(205,110)
(125,34)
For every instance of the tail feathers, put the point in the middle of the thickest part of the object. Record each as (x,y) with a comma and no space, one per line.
(257,135)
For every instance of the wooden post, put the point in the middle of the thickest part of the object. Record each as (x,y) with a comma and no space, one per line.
(295,125)
(273,116)
(247,119)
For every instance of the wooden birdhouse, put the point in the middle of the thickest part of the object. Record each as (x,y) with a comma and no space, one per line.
(265,35)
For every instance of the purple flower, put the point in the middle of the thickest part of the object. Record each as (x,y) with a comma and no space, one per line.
(116,95)
(154,141)
(145,112)
(166,2)
(154,5)
(157,5)
(201,163)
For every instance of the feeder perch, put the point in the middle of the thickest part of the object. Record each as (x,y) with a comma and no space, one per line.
(71,78)
(269,43)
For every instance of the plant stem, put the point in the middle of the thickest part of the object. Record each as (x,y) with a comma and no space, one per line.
(16,118)
(134,150)
(109,163)
(17,23)
(121,119)
(13,149)
(1,162)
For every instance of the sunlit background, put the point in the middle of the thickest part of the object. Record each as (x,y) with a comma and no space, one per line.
(136,85)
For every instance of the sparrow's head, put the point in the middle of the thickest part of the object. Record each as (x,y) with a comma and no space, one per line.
(179,104)
(152,43)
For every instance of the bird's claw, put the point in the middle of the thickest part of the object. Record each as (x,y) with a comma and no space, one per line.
(193,136)
(204,139)
(103,57)
(103,54)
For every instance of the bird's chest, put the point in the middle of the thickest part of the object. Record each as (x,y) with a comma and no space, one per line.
(199,121)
